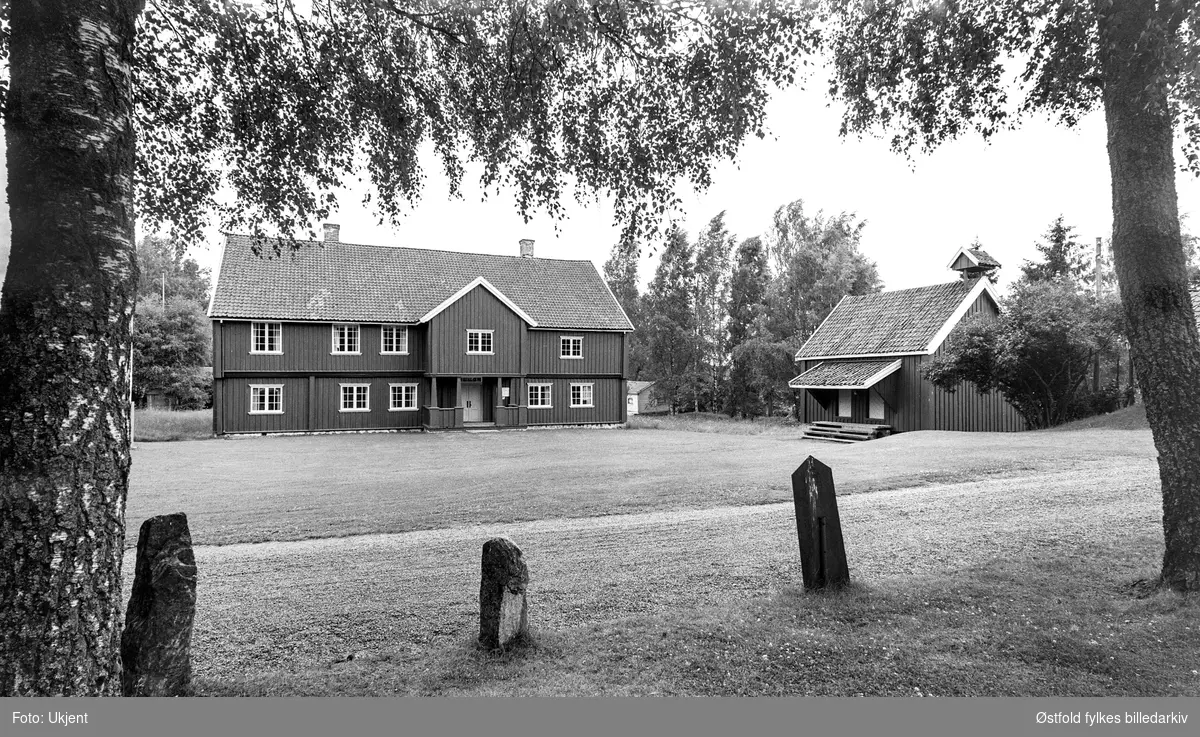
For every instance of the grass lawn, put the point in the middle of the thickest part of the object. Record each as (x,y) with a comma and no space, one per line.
(256,489)
(665,562)
(155,425)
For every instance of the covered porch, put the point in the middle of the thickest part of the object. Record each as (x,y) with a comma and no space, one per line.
(859,390)
(464,402)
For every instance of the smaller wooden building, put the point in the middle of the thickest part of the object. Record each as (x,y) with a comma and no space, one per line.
(863,363)
(639,397)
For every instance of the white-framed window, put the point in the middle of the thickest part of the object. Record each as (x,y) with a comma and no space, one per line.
(581,395)
(266,337)
(539,396)
(571,346)
(402,397)
(356,398)
(393,339)
(345,339)
(480,342)
(266,399)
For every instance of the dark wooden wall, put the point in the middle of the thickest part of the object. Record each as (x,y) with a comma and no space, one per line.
(311,375)
(232,397)
(603,353)
(477,310)
(314,404)
(308,348)
(607,394)
(919,405)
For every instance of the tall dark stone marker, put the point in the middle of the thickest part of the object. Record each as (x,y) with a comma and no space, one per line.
(822,552)
(155,645)
(503,610)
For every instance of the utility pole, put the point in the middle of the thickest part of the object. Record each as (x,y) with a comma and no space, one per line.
(1099,278)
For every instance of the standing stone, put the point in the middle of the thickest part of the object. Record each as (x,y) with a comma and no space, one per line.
(503,610)
(822,552)
(158,623)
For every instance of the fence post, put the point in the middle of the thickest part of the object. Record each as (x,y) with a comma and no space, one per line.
(156,641)
(822,552)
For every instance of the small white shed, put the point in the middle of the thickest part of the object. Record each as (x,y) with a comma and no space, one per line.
(638,396)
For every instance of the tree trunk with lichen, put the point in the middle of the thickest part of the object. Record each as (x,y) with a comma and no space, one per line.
(65,316)
(1151,266)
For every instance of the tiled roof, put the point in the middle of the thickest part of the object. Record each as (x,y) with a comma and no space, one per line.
(982,257)
(903,321)
(852,374)
(637,387)
(342,281)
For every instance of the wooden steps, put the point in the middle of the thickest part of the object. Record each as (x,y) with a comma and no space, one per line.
(845,432)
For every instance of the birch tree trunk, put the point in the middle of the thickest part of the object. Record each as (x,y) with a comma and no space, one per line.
(1151,266)
(65,318)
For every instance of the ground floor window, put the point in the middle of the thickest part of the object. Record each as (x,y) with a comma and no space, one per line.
(403,397)
(266,399)
(539,395)
(356,398)
(581,395)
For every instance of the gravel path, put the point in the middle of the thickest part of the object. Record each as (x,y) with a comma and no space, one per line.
(305,603)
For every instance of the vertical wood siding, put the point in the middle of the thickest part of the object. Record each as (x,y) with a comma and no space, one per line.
(235,405)
(308,347)
(476,310)
(316,412)
(603,353)
(607,395)
(918,405)
(327,400)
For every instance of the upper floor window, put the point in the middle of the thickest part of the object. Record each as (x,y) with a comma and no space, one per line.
(356,398)
(394,339)
(572,347)
(345,339)
(539,395)
(479,341)
(403,397)
(265,337)
(581,395)
(266,399)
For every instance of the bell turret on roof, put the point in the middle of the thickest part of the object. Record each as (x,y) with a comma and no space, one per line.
(973,263)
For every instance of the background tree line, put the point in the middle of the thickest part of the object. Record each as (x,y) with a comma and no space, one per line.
(172,335)
(721,320)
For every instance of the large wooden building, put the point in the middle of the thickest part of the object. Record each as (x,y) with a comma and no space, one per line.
(863,364)
(336,336)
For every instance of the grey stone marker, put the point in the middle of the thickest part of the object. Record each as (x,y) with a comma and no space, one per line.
(822,552)
(155,645)
(503,610)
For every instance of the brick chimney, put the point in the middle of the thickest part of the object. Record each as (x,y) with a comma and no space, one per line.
(526,248)
(333,232)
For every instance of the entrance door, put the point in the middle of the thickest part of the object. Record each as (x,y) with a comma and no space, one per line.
(472,402)
(844,403)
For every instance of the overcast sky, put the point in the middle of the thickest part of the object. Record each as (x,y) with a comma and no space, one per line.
(1005,193)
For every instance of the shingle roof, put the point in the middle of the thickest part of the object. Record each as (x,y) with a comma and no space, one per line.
(637,387)
(902,321)
(343,281)
(982,257)
(845,374)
